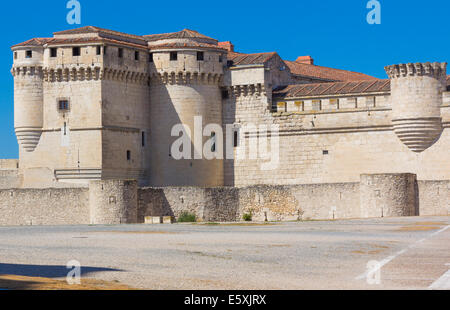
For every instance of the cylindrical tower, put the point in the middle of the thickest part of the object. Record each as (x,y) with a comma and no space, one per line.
(185,88)
(28,95)
(416,95)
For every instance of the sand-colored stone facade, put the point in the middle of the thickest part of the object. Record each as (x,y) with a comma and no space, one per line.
(98,105)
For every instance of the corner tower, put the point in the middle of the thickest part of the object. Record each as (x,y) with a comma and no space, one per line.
(416,94)
(186,70)
(28,94)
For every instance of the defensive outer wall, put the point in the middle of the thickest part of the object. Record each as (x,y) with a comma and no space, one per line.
(123,202)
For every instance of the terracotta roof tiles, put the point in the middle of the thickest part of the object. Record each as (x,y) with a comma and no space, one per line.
(336,88)
(250,59)
(331,74)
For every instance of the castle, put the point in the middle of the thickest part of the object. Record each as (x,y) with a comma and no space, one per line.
(95,105)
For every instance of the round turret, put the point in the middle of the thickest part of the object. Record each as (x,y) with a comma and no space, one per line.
(416,94)
(186,71)
(28,95)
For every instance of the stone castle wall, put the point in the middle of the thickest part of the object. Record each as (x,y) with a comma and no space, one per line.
(121,202)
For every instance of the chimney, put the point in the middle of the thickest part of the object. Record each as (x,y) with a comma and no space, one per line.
(227,45)
(305,60)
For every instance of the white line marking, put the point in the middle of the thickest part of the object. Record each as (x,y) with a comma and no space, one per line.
(443,283)
(390,258)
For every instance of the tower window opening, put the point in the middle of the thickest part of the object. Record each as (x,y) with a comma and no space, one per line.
(143,138)
(29,54)
(15,55)
(136,55)
(63,105)
(225,94)
(213,146)
(65,128)
(173,56)
(76,51)
(220,58)
(236,138)
(99,50)
(104,50)
(200,56)
(53,52)
(325,152)
(128,155)
(120,53)
(150,57)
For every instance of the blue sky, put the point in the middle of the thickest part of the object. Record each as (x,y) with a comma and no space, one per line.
(335,32)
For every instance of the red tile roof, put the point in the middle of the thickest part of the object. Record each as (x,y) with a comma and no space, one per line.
(313,71)
(58,41)
(93,29)
(176,45)
(327,89)
(250,59)
(185,33)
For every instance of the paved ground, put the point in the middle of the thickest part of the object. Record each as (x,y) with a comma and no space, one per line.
(412,253)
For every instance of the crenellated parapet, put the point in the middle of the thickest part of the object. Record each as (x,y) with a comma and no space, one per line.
(185,78)
(81,73)
(436,70)
(27,71)
(251,90)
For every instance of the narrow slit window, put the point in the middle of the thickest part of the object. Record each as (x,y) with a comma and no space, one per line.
(143,138)
(136,55)
(236,138)
(99,50)
(120,53)
(15,55)
(128,155)
(150,57)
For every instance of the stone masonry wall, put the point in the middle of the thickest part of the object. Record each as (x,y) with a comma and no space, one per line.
(44,206)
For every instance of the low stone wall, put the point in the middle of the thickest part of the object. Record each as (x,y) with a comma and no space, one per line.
(434,197)
(121,201)
(44,206)
(272,203)
(10,179)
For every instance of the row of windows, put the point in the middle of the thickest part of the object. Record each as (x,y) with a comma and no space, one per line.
(76,51)
(317,105)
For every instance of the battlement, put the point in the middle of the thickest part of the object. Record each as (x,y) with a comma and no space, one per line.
(183,78)
(435,69)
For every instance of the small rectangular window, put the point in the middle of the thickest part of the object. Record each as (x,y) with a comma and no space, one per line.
(200,56)
(63,105)
(29,54)
(150,57)
(220,58)
(143,138)
(120,52)
(99,50)
(136,55)
(15,55)
(76,51)
(53,52)
(128,155)
(173,56)
(325,152)
(225,94)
